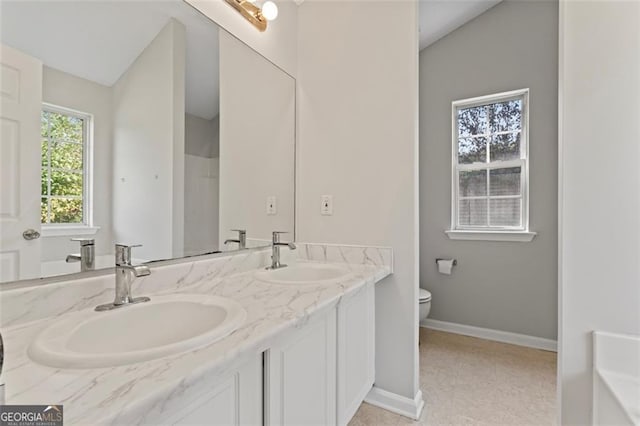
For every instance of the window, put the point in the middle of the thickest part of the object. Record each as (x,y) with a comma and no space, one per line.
(490,165)
(64,174)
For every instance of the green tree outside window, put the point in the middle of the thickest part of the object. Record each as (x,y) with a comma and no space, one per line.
(62,173)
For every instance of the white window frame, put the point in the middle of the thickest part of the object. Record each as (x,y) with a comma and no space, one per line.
(87,226)
(491,233)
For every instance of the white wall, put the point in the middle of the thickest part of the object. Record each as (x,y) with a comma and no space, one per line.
(599,187)
(257,142)
(358,106)
(177,117)
(202,137)
(148,179)
(66,90)
(201,183)
(508,286)
(200,204)
(278,43)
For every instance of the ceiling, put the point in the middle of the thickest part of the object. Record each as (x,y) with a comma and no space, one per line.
(99,40)
(438,18)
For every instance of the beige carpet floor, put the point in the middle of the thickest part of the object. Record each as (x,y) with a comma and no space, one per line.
(470,381)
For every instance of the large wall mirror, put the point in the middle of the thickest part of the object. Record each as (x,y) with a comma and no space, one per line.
(137,122)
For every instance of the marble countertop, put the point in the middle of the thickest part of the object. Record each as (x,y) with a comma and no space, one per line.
(133,393)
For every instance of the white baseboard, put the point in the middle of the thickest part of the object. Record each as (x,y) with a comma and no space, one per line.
(395,403)
(489,334)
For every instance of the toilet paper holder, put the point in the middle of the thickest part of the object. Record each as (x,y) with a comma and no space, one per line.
(455,261)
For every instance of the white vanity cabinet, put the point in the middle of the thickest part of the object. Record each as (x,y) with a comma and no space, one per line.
(315,374)
(320,373)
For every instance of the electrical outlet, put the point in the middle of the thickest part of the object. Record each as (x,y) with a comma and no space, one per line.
(326,208)
(272,208)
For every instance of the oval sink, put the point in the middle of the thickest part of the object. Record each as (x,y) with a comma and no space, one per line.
(303,274)
(166,325)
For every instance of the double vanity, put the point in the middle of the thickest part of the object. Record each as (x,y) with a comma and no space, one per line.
(197,131)
(221,340)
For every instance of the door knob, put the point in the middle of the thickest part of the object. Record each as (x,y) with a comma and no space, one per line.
(31,234)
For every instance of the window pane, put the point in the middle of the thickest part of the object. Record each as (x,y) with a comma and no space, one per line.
(64,127)
(66,210)
(506,116)
(44,124)
(473,183)
(472,150)
(505,181)
(43,210)
(472,121)
(44,147)
(44,189)
(66,183)
(472,212)
(66,156)
(505,212)
(505,147)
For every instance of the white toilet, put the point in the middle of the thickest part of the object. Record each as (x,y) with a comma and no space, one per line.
(425,303)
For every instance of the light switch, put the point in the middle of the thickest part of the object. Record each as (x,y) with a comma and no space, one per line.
(272,207)
(326,208)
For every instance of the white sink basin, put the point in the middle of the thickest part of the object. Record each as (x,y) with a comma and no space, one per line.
(303,274)
(164,326)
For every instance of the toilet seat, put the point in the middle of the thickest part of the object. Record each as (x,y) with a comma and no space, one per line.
(425,295)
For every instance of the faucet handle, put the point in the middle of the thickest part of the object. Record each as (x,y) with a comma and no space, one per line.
(123,253)
(84,241)
(125,246)
(276,236)
(242,238)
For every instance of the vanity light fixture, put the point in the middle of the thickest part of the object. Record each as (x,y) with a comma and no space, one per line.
(256,15)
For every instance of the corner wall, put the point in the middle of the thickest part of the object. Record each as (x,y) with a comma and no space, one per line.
(507,286)
(148,149)
(201,184)
(599,188)
(357,122)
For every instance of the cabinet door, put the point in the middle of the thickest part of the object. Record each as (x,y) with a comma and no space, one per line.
(301,375)
(356,350)
(236,399)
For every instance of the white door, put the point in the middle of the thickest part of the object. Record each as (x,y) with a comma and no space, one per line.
(21,93)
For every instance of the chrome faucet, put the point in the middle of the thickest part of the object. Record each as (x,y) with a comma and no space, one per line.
(125,275)
(275,250)
(86,256)
(242,238)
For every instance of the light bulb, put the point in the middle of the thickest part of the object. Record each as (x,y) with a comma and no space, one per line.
(269,10)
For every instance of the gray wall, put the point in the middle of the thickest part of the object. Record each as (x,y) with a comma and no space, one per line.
(202,137)
(509,286)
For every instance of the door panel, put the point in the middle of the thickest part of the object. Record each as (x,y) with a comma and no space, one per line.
(356,351)
(21,94)
(301,375)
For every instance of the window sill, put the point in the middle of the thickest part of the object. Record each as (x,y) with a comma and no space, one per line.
(514,236)
(68,231)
